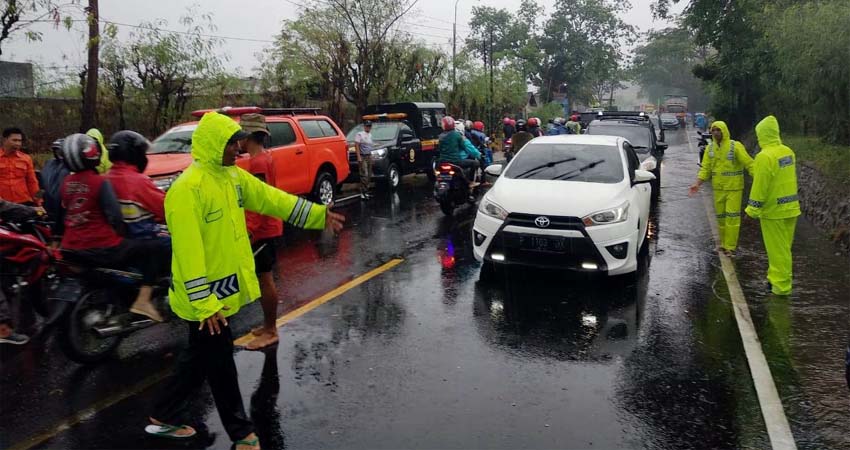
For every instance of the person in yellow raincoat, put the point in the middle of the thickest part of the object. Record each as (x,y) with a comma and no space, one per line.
(105,163)
(724,162)
(774,202)
(213,271)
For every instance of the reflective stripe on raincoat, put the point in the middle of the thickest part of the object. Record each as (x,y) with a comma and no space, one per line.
(212,262)
(724,162)
(774,191)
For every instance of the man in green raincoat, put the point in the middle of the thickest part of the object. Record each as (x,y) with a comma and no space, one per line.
(724,162)
(213,271)
(774,202)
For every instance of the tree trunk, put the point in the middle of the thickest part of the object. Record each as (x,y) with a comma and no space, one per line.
(90,98)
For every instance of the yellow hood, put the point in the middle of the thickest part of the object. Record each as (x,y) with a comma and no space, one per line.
(211,136)
(723,128)
(767,132)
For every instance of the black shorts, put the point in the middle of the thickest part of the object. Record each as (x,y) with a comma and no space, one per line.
(265,259)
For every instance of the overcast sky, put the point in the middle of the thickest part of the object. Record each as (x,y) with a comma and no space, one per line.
(431,21)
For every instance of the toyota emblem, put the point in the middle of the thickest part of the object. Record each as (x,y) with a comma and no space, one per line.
(542,222)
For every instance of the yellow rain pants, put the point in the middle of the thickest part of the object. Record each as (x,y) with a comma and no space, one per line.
(727,206)
(778,237)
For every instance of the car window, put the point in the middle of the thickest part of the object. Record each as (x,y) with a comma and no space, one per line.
(428,119)
(634,162)
(175,140)
(380,132)
(281,134)
(312,129)
(407,129)
(438,117)
(569,162)
(327,129)
(638,136)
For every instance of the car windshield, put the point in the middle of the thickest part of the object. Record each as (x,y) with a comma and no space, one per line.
(175,140)
(668,116)
(636,135)
(380,132)
(573,162)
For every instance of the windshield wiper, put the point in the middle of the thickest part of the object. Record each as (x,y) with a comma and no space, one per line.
(576,172)
(543,166)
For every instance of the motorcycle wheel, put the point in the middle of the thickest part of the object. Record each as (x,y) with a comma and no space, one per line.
(447,207)
(79,340)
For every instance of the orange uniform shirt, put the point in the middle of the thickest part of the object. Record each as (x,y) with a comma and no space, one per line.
(18,183)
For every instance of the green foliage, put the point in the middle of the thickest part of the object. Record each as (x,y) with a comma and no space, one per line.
(664,65)
(831,160)
(548,112)
(472,92)
(17,15)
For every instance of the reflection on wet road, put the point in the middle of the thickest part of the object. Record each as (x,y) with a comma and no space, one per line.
(427,356)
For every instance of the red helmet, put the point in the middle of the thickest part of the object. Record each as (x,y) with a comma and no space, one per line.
(478,125)
(532,122)
(574,117)
(506,121)
(513,122)
(448,123)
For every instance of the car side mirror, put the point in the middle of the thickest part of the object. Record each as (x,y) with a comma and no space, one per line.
(494,170)
(661,145)
(642,176)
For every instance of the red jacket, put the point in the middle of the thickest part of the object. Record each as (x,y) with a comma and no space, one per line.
(259,226)
(142,203)
(91,210)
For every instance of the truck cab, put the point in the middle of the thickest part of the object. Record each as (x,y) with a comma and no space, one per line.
(405,136)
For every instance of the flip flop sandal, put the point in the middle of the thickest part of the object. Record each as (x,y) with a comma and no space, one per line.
(253,443)
(169,431)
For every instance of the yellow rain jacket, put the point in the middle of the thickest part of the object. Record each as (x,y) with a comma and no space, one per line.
(774,191)
(724,162)
(105,163)
(212,262)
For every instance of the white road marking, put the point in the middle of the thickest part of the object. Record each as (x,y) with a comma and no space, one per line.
(772,411)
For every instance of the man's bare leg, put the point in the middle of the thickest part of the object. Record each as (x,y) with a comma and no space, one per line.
(266,334)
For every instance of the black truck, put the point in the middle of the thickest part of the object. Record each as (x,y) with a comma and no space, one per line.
(405,137)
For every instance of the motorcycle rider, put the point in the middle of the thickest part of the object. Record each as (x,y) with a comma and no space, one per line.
(507,128)
(453,150)
(93,218)
(574,125)
(557,127)
(521,138)
(724,163)
(52,175)
(534,127)
(213,273)
(12,212)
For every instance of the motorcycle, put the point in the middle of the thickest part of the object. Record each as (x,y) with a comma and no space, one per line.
(702,143)
(28,273)
(452,188)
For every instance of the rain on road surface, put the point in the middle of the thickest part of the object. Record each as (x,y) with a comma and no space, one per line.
(427,356)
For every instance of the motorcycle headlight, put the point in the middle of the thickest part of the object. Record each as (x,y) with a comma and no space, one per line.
(492,209)
(608,216)
(380,153)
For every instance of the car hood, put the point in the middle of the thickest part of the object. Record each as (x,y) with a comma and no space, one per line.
(556,198)
(167,163)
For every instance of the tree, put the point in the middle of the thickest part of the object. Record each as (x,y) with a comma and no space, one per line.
(90,91)
(169,67)
(17,15)
(114,64)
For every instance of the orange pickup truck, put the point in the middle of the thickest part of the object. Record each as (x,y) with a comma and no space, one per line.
(309,151)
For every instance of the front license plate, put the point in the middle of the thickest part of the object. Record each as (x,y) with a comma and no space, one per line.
(543,243)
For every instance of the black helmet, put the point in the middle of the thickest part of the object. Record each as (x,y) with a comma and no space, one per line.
(56,148)
(520,125)
(129,147)
(80,152)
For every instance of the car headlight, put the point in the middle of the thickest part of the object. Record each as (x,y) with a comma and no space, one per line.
(164,183)
(492,209)
(380,153)
(608,216)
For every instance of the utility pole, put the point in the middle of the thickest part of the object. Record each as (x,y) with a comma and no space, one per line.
(490,116)
(90,98)
(454,48)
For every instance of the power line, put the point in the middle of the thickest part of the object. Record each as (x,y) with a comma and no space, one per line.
(189,33)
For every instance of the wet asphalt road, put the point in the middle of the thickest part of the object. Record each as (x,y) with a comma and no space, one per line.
(427,356)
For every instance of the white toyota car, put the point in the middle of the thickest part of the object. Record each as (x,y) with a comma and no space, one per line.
(570,202)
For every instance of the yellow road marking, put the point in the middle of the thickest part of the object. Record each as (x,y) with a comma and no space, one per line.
(315,303)
(101,405)
(772,411)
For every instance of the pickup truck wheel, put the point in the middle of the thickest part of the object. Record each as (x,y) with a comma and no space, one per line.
(393,178)
(432,177)
(323,190)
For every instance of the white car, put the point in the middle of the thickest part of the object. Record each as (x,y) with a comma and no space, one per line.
(569,202)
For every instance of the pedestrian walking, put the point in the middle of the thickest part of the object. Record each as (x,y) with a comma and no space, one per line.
(213,272)
(18,183)
(724,162)
(774,203)
(263,230)
(363,146)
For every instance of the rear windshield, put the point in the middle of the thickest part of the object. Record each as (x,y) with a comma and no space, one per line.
(638,136)
(380,132)
(572,162)
(175,140)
